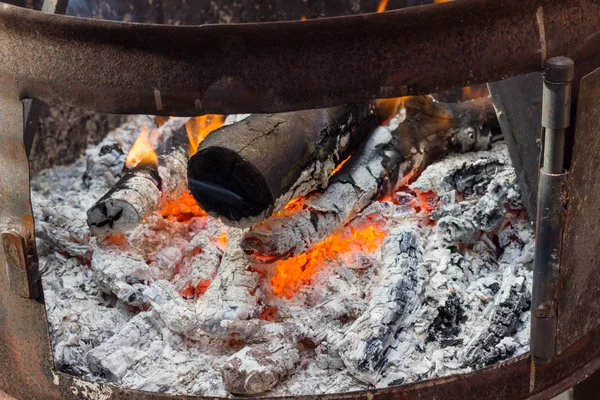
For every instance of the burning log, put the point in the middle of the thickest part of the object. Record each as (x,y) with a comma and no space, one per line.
(141,190)
(365,344)
(428,132)
(244,172)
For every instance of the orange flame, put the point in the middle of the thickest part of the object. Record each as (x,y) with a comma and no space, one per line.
(474,92)
(142,152)
(382,6)
(294,272)
(388,108)
(303,18)
(181,209)
(198,129)
(442,1)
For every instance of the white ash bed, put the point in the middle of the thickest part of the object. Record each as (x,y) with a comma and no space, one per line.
(412,291)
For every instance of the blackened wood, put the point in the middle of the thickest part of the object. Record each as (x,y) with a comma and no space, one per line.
(244,172)
(430,130)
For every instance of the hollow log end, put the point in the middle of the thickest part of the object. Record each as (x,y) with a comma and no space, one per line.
(112,215)
(227,186)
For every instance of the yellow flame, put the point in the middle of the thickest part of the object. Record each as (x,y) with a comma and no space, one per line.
(142,152)
(198,129)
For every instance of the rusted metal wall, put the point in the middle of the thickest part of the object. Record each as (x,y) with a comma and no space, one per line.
(579,307)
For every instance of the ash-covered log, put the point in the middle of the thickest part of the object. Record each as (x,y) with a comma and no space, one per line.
(244,172)
(365,344)
(140,191)
(428,132)
(233,297)
(260,368)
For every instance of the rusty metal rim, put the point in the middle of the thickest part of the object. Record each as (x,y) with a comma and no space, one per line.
(281,66)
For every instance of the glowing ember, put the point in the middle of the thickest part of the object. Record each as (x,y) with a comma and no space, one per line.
(303,18)
(294,272)
(428,201)
(382,5)
(340,165)
(198,129)
(442,1)
(181,209)
(268,314)
(195,292)
(222,242)
(142,152)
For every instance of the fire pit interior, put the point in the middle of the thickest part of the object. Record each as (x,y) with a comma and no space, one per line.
(374,242)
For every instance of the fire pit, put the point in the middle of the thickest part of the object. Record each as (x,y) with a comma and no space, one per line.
(359,261)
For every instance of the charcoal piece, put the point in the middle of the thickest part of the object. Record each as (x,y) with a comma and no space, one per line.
(365,344)
(510,302)
(425,136)
(455,230)
(244,172)
(474,178)
(502,192)
(446,326)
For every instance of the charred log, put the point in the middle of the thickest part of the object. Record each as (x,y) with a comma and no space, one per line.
(140,191)
(244,172)
(427,134)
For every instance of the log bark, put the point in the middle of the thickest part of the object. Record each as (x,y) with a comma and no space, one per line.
(366,342)
(244,172)
(141,190)
(427,134)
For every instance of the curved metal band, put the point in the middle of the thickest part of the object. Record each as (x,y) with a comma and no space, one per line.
(272,67)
